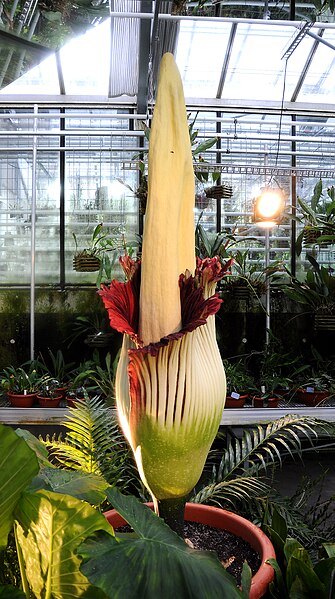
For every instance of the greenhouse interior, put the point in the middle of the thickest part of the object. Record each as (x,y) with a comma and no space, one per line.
(167,298)
(76,103)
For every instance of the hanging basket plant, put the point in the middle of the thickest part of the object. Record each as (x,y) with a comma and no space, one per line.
(84,262)
(310,234)
(90,258)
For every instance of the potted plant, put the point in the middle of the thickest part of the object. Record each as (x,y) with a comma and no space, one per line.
(62,542)
(240,383)
(55,527)
(21,384)
(58,368)
(316,388)
(248,279)
(92,257)
(316,292)
(49,394)
(170,380)
(318,218)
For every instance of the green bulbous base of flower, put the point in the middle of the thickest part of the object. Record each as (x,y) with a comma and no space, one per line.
(170,462)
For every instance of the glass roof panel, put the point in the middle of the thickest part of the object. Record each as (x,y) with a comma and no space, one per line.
(200,54)
(42,79)
(256,69)
(85,63)
(319,85)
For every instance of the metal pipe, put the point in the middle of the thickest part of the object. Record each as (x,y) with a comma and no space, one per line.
(33,239)
(206,19)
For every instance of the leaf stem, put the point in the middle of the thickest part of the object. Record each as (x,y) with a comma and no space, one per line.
(172,512)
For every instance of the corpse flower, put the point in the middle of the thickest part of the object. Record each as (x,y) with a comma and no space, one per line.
(170,380)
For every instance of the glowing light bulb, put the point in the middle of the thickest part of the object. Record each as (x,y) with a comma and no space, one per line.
(268,207)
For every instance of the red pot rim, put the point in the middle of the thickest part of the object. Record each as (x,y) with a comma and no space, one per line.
(11,394)
(237,525)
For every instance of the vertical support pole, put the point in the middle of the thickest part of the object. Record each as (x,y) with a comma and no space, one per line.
(267,292)
(33,238)
(293,197)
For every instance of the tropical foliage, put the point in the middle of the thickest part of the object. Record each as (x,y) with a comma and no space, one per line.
(316,292)
(93,443)
(239,479)
(297,574)
(66,548)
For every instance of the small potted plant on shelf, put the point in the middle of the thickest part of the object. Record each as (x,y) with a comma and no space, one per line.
(240,383)
(21,384)
(316,389)
(49,394)
(57,368)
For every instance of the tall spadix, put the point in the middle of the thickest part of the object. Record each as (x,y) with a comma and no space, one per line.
(168,240)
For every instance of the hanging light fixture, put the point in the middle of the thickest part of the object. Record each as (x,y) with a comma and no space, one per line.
(268,207)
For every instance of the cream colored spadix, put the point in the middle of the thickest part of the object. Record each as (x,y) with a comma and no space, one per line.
(168,241)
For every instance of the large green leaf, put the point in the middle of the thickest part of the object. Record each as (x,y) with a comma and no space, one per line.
(156,564)
(83,485)
(34,444)
(49,529)
(325,570)
(18,466)
(310,582)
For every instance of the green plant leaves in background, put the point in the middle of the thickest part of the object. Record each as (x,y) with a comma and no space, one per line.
(156,564)
(18,466)
(50,528)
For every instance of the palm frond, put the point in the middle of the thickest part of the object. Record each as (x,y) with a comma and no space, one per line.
(236,479)
(231,492)
(264,446)
(94,443)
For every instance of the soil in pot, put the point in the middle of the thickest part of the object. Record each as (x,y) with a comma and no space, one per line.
(255,543)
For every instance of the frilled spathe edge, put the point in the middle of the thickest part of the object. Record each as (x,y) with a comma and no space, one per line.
(121,300)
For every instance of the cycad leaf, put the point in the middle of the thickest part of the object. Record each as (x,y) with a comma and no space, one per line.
(93,443)
(18,466)
(50,527)
(156,564)
(259,448)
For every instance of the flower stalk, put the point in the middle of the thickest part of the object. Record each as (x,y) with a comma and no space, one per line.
(170,380)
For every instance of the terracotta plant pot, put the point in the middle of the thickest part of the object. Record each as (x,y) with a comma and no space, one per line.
(47,402)
(269,402)
(232,402)
(22,401)
(311,398)
(238,526)
(62,391)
